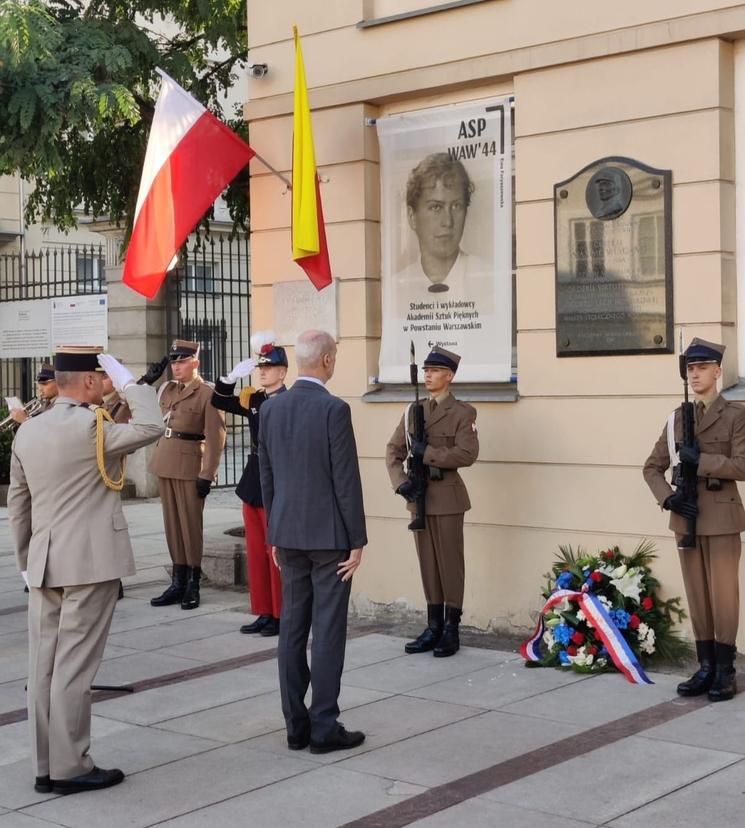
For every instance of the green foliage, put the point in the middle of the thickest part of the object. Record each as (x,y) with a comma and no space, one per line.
(77,92)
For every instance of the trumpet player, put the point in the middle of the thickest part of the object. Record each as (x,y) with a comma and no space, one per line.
(46,393)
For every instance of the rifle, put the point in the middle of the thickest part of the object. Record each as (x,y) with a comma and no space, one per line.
(687,477)
(416,469)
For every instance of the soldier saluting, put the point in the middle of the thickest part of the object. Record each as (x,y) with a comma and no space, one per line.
(450,442)
(710,563)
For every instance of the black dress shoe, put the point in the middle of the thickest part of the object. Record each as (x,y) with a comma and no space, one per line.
(299,742)
(257,626)
(43,784)
(343,739)
(270,628)
(121,592)
(94,780)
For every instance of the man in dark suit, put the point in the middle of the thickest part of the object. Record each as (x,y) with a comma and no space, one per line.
(312,493)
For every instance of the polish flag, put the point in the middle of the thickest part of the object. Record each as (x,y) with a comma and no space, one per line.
(191,158)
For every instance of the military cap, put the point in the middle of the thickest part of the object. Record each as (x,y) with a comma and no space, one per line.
(77,358)
(46,373)
(183,349)
(702,351)
(440,358)
(262,343)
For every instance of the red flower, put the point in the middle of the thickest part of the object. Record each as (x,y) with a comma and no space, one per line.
(647,603)
(572,651)
(597,576)
(634,621)
(592,650)
(608,554)
(267,349)
(578,638)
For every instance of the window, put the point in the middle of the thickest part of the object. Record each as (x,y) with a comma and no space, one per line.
(89,273)
(199,278)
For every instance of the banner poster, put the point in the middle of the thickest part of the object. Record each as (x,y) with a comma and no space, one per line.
(446,215)
(80,319)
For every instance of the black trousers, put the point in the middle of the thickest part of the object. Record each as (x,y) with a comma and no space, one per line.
(313,596)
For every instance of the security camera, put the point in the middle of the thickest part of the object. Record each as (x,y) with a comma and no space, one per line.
(257,70)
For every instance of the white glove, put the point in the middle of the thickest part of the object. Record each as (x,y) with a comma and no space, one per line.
(120,376)
(241,370)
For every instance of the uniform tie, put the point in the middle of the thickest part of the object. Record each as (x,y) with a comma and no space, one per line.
(700,411)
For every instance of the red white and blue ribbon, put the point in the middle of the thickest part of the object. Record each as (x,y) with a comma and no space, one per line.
(598,617)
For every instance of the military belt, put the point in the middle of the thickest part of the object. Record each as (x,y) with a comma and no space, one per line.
(182,435)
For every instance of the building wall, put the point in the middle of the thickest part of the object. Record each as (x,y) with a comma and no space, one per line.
(562,465)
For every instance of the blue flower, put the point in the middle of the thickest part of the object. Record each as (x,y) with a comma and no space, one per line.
(620,618)
(563,657)
(589,583)
(585,572)
(603,652)
(564,581)
(563,633)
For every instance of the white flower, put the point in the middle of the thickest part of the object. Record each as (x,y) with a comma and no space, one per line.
(580,615)
(629,584)
(619,571)
(601,662)
(605,602)
(548,639)
(582,659)
(552,621)
(562,606)
(606,569)
(642,630)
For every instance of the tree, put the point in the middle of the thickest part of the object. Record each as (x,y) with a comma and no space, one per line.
(77,92)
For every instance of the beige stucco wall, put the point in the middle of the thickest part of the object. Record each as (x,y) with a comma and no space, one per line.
(562,465)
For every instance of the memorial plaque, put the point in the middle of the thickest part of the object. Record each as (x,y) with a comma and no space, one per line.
(613,239)
(298,306)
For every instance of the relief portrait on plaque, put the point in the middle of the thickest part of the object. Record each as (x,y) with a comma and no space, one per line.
(446,232)
(613,239)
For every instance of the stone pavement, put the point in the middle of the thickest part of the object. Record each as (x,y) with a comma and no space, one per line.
(475,740)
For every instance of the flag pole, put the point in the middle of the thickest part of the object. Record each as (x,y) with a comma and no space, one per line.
(272,170)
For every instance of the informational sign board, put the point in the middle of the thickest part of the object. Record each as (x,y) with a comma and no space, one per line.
(80,320)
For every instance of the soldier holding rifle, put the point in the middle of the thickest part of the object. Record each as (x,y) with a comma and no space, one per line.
(445,441)
(705,444)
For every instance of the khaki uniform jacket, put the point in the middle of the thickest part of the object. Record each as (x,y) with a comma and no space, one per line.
(117,407)
(191,413)
(721,438)
(452,443)
(68,529)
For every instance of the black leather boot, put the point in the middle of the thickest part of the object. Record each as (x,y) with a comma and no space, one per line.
(449,644)
(191,593)
(724,686)
(700,682)
(175,592)
(431,634)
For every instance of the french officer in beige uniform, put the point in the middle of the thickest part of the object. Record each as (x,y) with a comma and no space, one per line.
(710,570)
(71,538)
(114,402)
(185,461)
(451,442)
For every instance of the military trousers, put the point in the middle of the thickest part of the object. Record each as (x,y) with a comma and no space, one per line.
(441,562)
(68,627)
(264,582)
(183,519)
(711,579)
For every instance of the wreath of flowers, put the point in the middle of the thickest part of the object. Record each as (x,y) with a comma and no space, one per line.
(629,592)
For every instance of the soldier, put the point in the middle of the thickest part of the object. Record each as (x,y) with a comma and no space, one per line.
(185,461)
(46,392)
(450,443)
(70,536)
(264,581)
(710,569)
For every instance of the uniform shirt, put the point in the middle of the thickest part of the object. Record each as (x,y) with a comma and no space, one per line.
(452,443)
(223,398)
(188,410)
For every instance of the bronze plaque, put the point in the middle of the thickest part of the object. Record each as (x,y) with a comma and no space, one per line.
(613,238)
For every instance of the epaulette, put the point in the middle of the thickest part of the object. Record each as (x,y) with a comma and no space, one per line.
(244,398)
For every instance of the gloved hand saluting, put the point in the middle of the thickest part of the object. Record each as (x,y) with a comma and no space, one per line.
(678,504)
(155,371)
(120,376)
(203,487)
(241,370)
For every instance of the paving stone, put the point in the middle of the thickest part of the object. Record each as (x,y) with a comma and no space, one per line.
(12,695)
(249,718)
(17,785)
(226,645)
(604,697)
(372,649)
(129,668)
(16,820)
(179,631)
(326,797)
(483,813)
(173,701)
(625,775)
(173,789)
(493,687)
(455,750)
(409,672)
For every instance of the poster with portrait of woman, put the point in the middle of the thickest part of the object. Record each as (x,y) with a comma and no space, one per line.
(446,214)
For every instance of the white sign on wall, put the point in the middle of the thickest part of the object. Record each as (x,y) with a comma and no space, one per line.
(446,228)
(35,328)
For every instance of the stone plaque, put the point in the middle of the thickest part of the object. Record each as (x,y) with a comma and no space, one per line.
(298,306)
(613,237)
